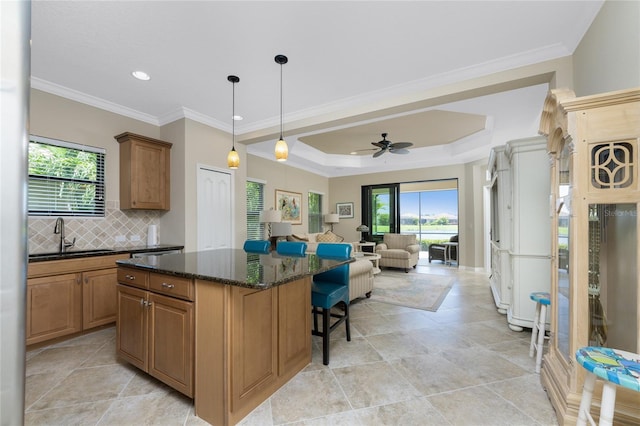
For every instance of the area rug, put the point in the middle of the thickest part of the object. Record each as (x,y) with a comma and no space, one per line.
(413,290)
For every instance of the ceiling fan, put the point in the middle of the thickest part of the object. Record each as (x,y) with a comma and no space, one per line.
(392,147)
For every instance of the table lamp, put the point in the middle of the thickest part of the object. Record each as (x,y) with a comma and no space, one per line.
(279,230)
(361,229)
(331,218)
(269,217)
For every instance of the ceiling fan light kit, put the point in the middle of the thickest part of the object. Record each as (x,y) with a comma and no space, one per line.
(281,149)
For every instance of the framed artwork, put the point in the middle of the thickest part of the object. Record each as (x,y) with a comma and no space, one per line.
(345,210)
(290,204)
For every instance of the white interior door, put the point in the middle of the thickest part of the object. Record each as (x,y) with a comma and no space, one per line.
(215,208)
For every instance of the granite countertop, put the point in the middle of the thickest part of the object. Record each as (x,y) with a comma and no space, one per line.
(236,267)
(79,253)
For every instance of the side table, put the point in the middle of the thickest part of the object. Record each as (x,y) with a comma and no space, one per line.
(447,252)
(370,246)
(375,259)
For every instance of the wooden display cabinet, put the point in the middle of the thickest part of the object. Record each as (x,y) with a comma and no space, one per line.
(595,286)
(144,172)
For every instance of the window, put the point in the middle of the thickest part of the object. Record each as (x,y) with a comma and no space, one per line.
(315,212)
(65,179)
(255,204)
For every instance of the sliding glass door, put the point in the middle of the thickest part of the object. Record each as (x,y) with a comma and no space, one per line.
(380,210)
(428,209)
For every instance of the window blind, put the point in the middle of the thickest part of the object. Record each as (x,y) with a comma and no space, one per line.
(65,179)
(255,204)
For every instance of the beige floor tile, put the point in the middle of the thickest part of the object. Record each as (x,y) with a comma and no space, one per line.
(478,407)
(153,409)
(485,365)
(432,374)
(416,411)
(397,345)
(307,396)
(373,384)
(88,413)
(527,394)
(87,385)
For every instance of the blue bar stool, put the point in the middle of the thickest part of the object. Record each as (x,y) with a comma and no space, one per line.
(542,299)
(615,368)
(257,246)
(329,289)
(291,248)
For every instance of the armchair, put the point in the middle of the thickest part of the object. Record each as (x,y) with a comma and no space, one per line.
(398,251)
(436,251)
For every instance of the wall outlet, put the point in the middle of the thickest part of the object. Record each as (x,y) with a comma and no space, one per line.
(120,239)
(134,238)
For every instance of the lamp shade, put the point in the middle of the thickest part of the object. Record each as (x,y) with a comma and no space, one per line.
(267,216)
(331,218)
(362,228)
(280,229)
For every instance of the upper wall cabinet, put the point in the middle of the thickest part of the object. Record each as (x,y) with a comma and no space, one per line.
(144,172)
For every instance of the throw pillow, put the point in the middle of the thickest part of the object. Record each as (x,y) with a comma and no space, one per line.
(329,237)
(298,237)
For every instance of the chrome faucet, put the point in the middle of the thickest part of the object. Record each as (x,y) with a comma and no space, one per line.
(59,229)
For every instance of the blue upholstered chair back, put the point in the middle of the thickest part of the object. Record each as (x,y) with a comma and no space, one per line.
(291,248)
(339,275)
(257,246)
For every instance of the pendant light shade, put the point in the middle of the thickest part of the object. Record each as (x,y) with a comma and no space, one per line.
(233,159)
(282,150)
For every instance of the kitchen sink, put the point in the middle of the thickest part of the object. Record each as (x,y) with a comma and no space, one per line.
(70,253)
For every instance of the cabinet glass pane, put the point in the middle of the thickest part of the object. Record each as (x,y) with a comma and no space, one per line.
(563,223)
(613,276)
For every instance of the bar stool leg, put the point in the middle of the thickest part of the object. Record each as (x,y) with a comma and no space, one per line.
(608,404)
(534,330)
(585,401)
(541,327)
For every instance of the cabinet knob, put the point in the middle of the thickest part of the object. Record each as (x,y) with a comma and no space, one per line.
(130,277)
(168,285)
(142,302)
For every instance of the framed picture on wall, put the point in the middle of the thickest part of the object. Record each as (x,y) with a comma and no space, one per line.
(345,210)
(290,204)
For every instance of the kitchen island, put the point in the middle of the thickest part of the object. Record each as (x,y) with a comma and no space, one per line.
(225,327)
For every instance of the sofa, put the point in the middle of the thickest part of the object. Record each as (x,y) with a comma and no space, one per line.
(360,271)
(398,251)
(436,251)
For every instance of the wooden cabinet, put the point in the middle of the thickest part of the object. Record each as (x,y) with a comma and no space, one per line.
(249,343)
(595,285)
(53,307)
(71,295)
(144,172)
(156,332)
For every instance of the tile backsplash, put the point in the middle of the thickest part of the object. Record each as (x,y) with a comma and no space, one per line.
(118,228)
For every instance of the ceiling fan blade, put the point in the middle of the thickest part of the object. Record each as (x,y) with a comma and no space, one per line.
(379,153)
(380,145)
(400,145)
(399,151)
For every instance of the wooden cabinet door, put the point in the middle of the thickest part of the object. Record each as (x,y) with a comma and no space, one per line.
(254,345)
(149,176)
(99,297)
(132,328)
(53,307)
(171,342)
(145,173)
(294,326)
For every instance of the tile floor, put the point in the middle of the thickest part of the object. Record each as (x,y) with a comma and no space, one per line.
(461,365)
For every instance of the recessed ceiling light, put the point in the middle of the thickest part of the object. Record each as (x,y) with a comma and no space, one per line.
(141,75)
(237,117)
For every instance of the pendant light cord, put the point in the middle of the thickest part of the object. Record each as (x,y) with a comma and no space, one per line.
(281,137)
(233,117)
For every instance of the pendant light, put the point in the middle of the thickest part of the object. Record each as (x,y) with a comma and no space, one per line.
(233,159)
(282,150)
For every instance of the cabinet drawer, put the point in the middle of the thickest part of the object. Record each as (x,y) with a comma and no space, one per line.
(172,286)
(133,277)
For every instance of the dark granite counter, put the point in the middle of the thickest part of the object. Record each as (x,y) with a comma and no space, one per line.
(78,253)
(235,266)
